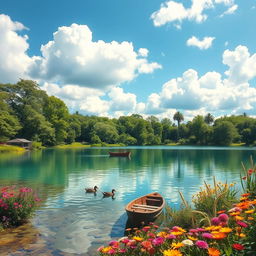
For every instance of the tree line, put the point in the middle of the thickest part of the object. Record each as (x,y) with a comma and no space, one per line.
(28,112)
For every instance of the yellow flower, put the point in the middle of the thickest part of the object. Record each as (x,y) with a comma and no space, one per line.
(213,228)
(162,234)
(239,218)
(192,238)
(242,235)
(250,211)
(137,238)
(181,229)
(225,230)
(106,249)
(176,233)
(177,245)
(172,253)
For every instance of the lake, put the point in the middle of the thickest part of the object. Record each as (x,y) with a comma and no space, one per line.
(71,222)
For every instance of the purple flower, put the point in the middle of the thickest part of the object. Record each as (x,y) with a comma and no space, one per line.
(207,235)
(201,244)
(215,221)
(223,217)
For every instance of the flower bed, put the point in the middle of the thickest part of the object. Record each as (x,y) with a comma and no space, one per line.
(231,233)
(16,205)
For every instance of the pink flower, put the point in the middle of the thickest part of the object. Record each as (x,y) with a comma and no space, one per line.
(207,235)
(200,229)
(111,251)
(215,221)
(100,248)
(223,217)
(171,236)
(114,244)
(158,241)
(201,244)
(242,224)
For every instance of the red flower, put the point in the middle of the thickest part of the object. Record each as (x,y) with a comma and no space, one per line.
(238,247)
(250,171)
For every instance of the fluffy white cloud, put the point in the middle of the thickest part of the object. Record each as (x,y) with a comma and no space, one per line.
(73,58)
(176,12)
(211,92)
(242,66)
(121,101)
(203,44)
(13,57)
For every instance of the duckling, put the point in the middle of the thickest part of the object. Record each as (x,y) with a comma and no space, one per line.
(108,194)
(91,190)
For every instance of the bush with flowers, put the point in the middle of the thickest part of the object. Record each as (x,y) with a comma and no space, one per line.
(16,205)
(232,232)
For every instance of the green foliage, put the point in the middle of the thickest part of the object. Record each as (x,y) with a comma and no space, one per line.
(17,205)
(212,199)
(11,149)
(28,112)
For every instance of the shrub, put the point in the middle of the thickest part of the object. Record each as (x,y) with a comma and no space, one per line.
(214,198)
(17,205)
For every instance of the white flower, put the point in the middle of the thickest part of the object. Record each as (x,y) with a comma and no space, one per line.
(187,242)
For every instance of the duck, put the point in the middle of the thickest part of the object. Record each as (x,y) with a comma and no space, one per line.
(108,194)
(91,190)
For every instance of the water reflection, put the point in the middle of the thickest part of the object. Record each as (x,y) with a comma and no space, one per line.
(74,222)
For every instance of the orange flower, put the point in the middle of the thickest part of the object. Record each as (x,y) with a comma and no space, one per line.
(177,245)
(250,218)
(242,235)
(213,252)
(218,235)
(222,211)
(234,213)
(213,228)
(246,194)
(162,234)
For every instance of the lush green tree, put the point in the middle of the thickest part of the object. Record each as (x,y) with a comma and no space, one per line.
(106,132)
(209,119)
(224,133)
(178,116)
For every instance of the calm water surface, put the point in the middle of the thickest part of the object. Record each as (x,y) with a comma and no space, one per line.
(72,222)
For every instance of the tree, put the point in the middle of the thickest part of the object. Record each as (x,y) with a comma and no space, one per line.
(209,118)
(224,133)
(179,118)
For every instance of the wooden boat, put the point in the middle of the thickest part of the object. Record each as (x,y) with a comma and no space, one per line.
(125,154)
(146,208)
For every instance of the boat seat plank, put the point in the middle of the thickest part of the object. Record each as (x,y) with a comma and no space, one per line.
(153,199)
(145,206)
(142,208)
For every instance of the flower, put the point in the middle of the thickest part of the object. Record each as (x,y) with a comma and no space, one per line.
(158,241)
(226,230)
(137,238)
(172,253)
(177,245)
(201,244)
(238,247)
(207,235)
(187,242)
(223,217)
(213,252)
(242,224)
(215,221)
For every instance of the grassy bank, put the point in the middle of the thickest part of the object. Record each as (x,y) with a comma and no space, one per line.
(80,145)
(11,149)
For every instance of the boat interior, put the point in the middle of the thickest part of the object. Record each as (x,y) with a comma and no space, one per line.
(147,204)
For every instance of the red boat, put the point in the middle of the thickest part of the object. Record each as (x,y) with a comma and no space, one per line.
(125,154)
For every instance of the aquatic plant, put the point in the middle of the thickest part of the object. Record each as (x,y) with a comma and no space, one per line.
(17,205)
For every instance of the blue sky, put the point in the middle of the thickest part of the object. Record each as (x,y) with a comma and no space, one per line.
(151,57)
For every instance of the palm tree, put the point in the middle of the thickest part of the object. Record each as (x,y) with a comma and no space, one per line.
(179,118)
(209,118)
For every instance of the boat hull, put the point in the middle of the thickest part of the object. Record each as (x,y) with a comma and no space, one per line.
(145,209)
(120,154)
